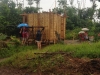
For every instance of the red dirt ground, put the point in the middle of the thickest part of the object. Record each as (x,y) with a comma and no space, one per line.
(70,66)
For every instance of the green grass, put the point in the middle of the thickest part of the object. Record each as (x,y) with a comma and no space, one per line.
(24,57)
(91,50)
(2,36)
(14,50)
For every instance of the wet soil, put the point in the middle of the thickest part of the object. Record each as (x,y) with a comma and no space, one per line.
(70,66)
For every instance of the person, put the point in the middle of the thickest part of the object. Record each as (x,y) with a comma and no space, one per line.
(38,37)
(23,31)
(81,37)
(86,35)
(27,32)
(20,34)
(27,35)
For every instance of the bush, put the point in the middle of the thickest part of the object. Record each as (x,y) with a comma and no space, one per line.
(3,36)
(16,41)
(72,34)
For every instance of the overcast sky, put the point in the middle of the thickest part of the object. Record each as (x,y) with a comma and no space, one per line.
(49,4)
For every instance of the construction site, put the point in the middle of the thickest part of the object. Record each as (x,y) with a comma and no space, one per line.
(54,25)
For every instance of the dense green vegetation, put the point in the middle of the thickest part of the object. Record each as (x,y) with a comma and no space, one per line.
(76,18)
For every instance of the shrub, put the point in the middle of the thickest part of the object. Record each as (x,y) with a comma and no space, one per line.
(16,41)
(2,36)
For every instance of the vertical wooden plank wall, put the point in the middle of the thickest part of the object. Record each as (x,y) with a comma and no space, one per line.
(59,27)
(35,22)
(51,18)
(30,19)
(55,27)
(43,24)
(51,21)
(46,25)
(58,24)
(64,27)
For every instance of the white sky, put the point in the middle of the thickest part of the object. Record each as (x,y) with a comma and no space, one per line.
(45,4)
(49,4)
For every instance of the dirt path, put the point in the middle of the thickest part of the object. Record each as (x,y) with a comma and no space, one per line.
(74,66)
(71,42)
(13,71)
(3,59)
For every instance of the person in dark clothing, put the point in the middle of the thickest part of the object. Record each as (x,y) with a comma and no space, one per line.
(38,35)
(38,38)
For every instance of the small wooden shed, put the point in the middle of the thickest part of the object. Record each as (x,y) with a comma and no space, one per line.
(54,25)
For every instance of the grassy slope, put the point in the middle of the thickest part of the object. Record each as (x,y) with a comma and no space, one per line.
(24,57)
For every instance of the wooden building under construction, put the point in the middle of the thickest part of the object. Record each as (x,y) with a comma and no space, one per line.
(54,25)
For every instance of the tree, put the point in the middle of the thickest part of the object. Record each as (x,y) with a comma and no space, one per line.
(98,13)
(71,2)
(77,17)
(37,3)
(8,15)
(62,3)
(30,10)
(94,4)
(30,2)
(86,13)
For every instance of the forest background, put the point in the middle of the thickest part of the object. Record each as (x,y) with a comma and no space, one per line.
(77,18)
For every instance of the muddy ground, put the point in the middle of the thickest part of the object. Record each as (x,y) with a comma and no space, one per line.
(70,66)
